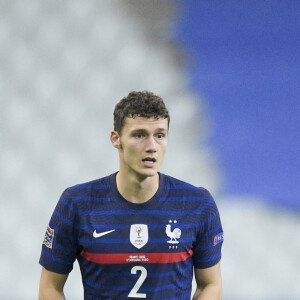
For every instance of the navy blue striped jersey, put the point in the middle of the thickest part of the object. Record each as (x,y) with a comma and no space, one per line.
(134,251)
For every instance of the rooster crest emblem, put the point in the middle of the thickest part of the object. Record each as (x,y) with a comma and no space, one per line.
(173,235)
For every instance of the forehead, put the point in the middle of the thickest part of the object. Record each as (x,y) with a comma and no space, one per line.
(141,123)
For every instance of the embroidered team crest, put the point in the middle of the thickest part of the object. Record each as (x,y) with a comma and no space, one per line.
(49,236)
(174,234)
(139,235)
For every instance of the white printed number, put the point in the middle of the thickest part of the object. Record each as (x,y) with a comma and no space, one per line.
(134,292)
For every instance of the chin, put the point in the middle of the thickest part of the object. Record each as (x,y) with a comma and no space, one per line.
(148,173)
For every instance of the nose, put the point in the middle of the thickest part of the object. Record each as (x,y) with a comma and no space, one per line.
(151,144)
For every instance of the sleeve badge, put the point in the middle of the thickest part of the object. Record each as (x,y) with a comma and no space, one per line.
(49,236)
(218,238)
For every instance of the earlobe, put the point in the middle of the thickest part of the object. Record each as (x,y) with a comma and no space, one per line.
(115,139)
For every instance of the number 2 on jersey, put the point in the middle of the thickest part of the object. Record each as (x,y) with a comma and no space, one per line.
(134,292)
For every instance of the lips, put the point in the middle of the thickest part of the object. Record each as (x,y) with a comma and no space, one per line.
(149,160)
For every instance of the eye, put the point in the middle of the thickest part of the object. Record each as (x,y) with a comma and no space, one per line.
(160,136)
(138,135)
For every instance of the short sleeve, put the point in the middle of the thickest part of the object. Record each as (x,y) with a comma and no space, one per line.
(207,250)
(59,247)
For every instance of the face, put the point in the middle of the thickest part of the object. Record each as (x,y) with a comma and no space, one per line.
(142,145)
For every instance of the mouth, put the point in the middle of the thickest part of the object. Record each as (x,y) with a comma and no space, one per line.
(149,161)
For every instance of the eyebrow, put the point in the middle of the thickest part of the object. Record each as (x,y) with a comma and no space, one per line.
(144,130)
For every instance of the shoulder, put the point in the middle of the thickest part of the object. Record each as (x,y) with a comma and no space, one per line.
(84,196)
(172,183)
(96,183)
(186,196)
(89,187)
(191,195)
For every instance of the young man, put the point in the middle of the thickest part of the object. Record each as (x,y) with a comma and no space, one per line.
(137,234)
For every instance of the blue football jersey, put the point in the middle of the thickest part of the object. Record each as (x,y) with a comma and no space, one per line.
(134,251)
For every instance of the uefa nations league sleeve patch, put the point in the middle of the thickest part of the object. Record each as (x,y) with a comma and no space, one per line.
(218,238)
(49,236)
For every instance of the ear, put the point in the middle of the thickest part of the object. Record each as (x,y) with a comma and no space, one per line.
(115,139)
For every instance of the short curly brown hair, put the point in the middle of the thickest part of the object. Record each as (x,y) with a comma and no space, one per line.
(139,104)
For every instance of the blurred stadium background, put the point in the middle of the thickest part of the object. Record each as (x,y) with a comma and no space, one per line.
(229,72)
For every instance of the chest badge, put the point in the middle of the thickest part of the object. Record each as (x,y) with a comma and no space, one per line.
(174,234)
(139,235)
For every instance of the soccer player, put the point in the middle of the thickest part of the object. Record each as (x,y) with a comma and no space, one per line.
(137,233)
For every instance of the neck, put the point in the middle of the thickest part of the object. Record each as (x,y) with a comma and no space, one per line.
(136,189)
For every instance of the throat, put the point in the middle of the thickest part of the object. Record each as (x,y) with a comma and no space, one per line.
(135,190)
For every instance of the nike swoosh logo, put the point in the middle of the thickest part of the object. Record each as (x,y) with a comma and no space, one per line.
(97,235)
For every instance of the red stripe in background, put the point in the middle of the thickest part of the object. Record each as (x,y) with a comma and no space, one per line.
(147,258)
